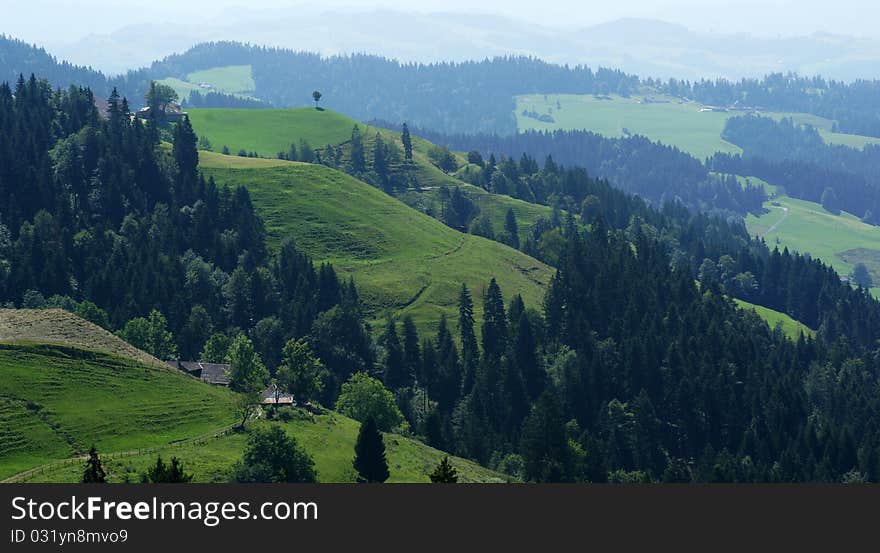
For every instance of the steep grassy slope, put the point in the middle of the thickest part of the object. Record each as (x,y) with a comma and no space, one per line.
(401,259)
(269,131)
(56,326)
(56,401)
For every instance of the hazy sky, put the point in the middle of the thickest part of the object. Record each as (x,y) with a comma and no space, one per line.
(48,21)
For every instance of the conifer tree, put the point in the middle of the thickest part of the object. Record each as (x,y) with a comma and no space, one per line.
(369,460)
(512,229)
(407,143)
(94,471)
(358,163)
(469,353)
(445,473)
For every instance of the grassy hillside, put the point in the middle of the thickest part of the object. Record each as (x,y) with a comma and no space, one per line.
(56,401)
(791,327)
(269,131)
(401,259)
(839,240)
(666,119)
(56,326)
(328,438)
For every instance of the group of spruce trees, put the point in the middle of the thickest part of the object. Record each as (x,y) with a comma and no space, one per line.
(631,370)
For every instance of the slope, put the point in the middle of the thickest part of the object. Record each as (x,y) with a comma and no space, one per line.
(269,131)
(402,260)
(56,326)
(57,401)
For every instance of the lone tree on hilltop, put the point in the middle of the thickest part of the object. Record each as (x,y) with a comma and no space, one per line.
(369,458)
(316,96)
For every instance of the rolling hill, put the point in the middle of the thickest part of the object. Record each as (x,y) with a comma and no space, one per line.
(58,399)
(269,131)
(59,327)
(402,260)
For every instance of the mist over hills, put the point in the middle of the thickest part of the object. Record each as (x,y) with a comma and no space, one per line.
(648,47)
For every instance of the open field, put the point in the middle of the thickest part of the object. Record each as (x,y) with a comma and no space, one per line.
(401,259)
(839,240)
(231,79)
(269,131)
(666,119)
(57,401)
(791,327)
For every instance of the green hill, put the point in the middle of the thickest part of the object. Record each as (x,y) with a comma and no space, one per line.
(841,240)
(269,131)
(57,401)
(56,326)
(401,259)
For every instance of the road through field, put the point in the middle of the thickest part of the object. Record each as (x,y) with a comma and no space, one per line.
(777,223)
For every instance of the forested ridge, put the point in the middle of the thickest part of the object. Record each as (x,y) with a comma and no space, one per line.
(637,367)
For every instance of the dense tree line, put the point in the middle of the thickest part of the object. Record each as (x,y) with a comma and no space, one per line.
(797,158)
(97,217)
(652,170)
(221,100)
(854,107)
(455,97)
(630,371)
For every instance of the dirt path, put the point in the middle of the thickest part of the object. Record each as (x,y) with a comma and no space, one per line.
(777,223)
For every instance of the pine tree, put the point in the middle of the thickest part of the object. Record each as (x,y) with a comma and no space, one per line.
(445,473)
(369,460)
(412,354)
(512,229)
(358,163)
(494,323)
(396,374)
(469,353)
(407,143)
(94,471)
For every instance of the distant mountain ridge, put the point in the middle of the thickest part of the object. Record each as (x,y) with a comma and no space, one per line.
(648,47)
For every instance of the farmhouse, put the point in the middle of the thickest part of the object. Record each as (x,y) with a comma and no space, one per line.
(274,396)
(212,373)
(170,112)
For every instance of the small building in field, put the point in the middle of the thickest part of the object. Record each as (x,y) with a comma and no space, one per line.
(212,373)
(274,396)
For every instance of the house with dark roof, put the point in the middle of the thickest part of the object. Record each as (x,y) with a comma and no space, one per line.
(170,112)
(212,373)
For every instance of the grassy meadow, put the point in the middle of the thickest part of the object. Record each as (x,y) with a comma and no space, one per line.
(791,327)
(401,259)
(57,401)
(269,131)
(665,119)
